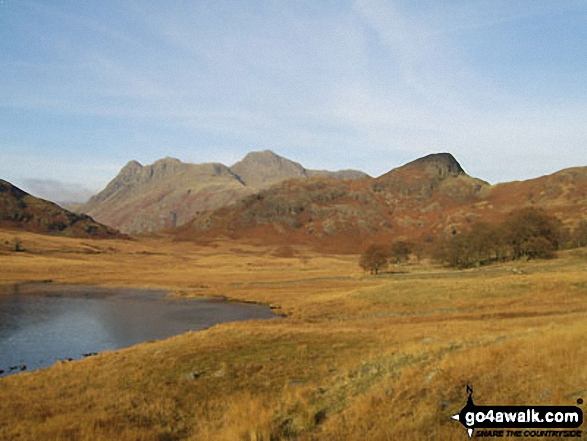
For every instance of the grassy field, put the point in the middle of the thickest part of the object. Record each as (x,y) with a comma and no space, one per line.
(356,357)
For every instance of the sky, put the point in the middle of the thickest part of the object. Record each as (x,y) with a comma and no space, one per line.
(86,87)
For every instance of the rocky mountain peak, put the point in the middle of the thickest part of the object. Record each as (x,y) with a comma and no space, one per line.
(162,168)
(438,164)
(267,158)
(130,170)
(132,165)
(265,167)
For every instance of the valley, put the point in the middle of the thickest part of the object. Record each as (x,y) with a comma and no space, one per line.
(355,356)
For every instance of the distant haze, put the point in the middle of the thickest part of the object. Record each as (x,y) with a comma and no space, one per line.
(57,191)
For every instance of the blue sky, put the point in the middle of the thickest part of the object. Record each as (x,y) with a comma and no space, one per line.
(367,84)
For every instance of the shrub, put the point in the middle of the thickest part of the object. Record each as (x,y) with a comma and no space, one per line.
(17,245)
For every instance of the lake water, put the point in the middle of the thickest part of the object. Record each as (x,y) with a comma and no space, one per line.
(43,323)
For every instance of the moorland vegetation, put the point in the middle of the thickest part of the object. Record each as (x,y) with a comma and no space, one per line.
(354,357)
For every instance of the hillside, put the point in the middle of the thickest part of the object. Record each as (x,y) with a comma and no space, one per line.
(422,201)
(20,210)
(169,192)
(563,193)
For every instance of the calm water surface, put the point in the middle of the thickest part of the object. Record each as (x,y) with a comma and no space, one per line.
(43,323)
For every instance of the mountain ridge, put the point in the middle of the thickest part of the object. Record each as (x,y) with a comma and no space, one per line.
(169,192)
(424,201)
(421,201)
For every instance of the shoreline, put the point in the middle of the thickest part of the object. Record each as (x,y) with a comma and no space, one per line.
(200,313)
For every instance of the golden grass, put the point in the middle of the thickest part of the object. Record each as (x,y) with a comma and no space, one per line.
(357,357)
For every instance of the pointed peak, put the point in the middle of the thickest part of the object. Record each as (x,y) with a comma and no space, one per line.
(132,168)
(267,159)
(263,168)
(261,156)
(130,165)
(437,166)
(443,164)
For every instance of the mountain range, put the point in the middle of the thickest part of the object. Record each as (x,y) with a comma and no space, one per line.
(268,199)
(423,201)
(170,193)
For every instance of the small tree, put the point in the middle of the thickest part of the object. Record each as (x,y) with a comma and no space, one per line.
(532,233)
(457,251)
(580,234)
(400,251)
(374,259)
(539,248)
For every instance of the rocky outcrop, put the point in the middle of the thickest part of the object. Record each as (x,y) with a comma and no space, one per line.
(441,165)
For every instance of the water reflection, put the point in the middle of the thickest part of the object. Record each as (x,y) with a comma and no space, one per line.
(40,324)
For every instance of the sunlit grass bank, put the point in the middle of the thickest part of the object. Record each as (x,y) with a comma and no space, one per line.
(356,357)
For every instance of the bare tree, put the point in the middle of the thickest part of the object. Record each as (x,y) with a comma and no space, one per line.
(527,233)
(580,234)
(400,251)
(375,258)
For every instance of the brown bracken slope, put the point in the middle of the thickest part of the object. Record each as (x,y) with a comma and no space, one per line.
(423,202)
(20,210)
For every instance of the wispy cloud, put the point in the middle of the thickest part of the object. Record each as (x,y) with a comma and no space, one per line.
(455,106)
(390,80)
(447,18)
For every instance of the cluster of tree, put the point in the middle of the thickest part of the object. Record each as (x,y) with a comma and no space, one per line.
(527,233)
(377,257)
(579,238)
